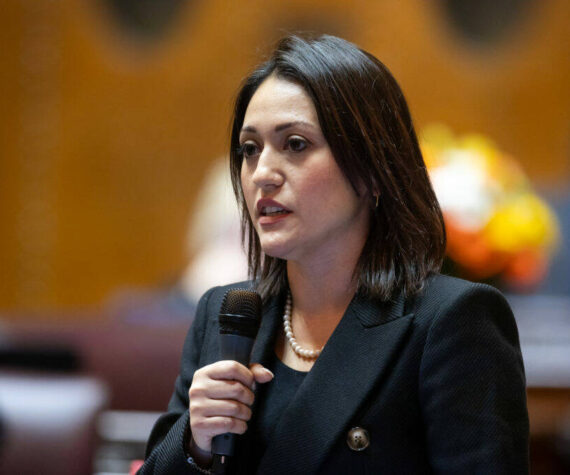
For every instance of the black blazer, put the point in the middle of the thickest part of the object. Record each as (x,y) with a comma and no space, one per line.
(437,381)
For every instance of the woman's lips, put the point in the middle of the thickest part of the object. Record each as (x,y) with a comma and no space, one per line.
(270,211)
(272,218)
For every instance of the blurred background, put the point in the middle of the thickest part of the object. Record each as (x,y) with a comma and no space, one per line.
(116,212)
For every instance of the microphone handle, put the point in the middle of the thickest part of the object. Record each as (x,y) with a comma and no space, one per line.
(237,348)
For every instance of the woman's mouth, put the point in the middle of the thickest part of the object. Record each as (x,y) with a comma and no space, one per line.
(272,214)
(273,211)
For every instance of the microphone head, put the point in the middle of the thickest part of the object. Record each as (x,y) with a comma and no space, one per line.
(240,313)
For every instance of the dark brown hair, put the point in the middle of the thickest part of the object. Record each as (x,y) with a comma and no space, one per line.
(365,120)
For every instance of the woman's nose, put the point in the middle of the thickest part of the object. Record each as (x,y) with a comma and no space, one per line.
(267,172)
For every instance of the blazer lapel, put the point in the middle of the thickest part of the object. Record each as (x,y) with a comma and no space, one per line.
(352,362)
(265,341)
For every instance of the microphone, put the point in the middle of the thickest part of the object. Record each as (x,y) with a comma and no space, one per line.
(239,319)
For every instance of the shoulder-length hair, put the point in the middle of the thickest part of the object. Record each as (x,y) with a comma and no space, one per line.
(366,122)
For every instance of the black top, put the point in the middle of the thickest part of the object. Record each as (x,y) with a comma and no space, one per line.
(272,399)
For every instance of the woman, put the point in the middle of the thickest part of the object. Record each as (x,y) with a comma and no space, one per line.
(381,364)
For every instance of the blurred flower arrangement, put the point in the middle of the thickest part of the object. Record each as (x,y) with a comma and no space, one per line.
(498,229)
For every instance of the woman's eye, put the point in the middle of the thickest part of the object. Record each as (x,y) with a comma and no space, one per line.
(248,149)
(296,144)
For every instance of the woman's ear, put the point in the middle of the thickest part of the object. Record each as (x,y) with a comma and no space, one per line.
(374,194)
(368,194)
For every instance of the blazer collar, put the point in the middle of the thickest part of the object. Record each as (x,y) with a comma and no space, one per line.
(352,362)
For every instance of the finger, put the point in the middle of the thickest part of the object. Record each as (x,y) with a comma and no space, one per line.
(261,374)
(217,425)
(229,369)
(226,408)
(223,389)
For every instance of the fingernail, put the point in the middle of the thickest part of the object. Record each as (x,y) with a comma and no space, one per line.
(269,373)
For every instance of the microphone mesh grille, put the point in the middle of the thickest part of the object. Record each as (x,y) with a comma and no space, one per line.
(242,302)
(240,313)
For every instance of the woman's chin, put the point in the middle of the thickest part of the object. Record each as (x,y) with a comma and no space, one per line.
(277,250)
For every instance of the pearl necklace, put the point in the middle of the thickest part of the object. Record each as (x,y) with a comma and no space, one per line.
(299,351)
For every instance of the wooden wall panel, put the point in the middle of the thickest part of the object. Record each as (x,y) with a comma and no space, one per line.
(105,137)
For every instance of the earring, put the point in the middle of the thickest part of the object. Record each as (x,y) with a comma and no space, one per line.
(377,198)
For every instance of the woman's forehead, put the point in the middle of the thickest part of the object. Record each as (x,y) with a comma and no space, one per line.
(279,101)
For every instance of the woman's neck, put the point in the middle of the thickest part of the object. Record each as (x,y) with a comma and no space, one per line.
(319,300)
(321,290)
(322,286)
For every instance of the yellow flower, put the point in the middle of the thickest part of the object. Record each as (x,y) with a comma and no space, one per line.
(520,222)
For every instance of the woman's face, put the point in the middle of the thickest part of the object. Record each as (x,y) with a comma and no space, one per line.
(300,203)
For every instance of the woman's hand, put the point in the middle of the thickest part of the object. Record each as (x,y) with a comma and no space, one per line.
(220,398)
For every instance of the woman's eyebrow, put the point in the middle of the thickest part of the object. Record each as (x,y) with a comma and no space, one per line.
(288,125)
(248,128)
(280,127)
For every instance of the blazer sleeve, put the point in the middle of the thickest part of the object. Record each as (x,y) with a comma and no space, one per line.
(165,451)
(472,387)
